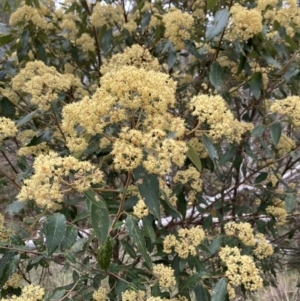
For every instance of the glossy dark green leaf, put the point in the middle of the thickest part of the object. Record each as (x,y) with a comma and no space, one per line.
(193,156)
(220,290)
(218,25)
(255,84)
(290,203)
(7,107)
(6,39)
(104,254)
(291,42)
(145,20)
(70,238)
(26,118)
(107,40)
(172,56)
(276,132)
(201,293)
(228,156)
(99,216)
(135,233)
(210,148)
(42,55)
(216,75)
(148,226)
(57,295)
(23,45)
(148,186)
(258,130)
(54,229)
(191,48)
(8,264)
(215,245)
(193,279)
(261,177)
(15,207)
(39,139)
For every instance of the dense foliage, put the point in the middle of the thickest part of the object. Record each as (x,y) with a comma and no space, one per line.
(150,148)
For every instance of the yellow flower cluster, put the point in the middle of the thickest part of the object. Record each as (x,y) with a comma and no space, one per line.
(289,106)
(263,248)
(41,82)
(244,23)
(285,145)
(187,242)
(263,4)
(86,42)
(5,232)
(243,231)
(140,209)
(198,147)
(7,128)
(29,293)
(35,150)
(100,294)
(277,210)
(165,276)
(26,14)
(49,182)
(198,7)
(241,269)
(180,298)
(135,55)
(133,296)
(190,175)
(214,111)
(13,281)
(178,26)
(68,25)
(107,14)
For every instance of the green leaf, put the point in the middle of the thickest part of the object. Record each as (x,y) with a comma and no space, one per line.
(7,108)
(290,203)
(57,295)
(145,20)
(23,45)
(54,230)
(218,25)
(3,29)
(210,148)
(107,40)
(6,39)
(193,156)
(137,237)
(211,4)
(220,290)
(70,238)
(291,42)
(99,216)
(192,280)
(172,56)
(216,75)
(40,50)
(148,226)
(276,132)
(215,245)
(104,254)
(39,139)
(8,264)
(228,156)
(148,186)
(15,207)
(201,293)
(258,131)
(255,84)
(261,177)
(191,48)
(26,118)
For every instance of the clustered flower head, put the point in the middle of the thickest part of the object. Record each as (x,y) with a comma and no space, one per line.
(263,248)
(50,183)
(130,295)
(241,270)
(5,232)
(190,175)
(165,276)
(243,231)
(86,42)
(244,23)
(214,111)
(100,294)
(43,83)
(285,145)
(178,26)
(7,128)
(186,243)
(135,55)
(140,209)
(290,107)
(13,281)
(278,211)
(29,293)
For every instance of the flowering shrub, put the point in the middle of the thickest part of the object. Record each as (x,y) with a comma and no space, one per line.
(152,146)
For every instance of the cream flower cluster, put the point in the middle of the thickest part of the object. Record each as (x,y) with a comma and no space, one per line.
(263,248)
(5,232)
(13,281)
(107,14)
(178,26)
(41,82)
(49,183)
(186,243)
(140,209)
(165,276)
(241,269)
(190,175)
(29,293)
(86,42)
(100,294)
(290,107)
(7,128)
(214,111)
(135,55)
(133,296)
(243,231)
(278,211)
(244,23)
(285,145)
